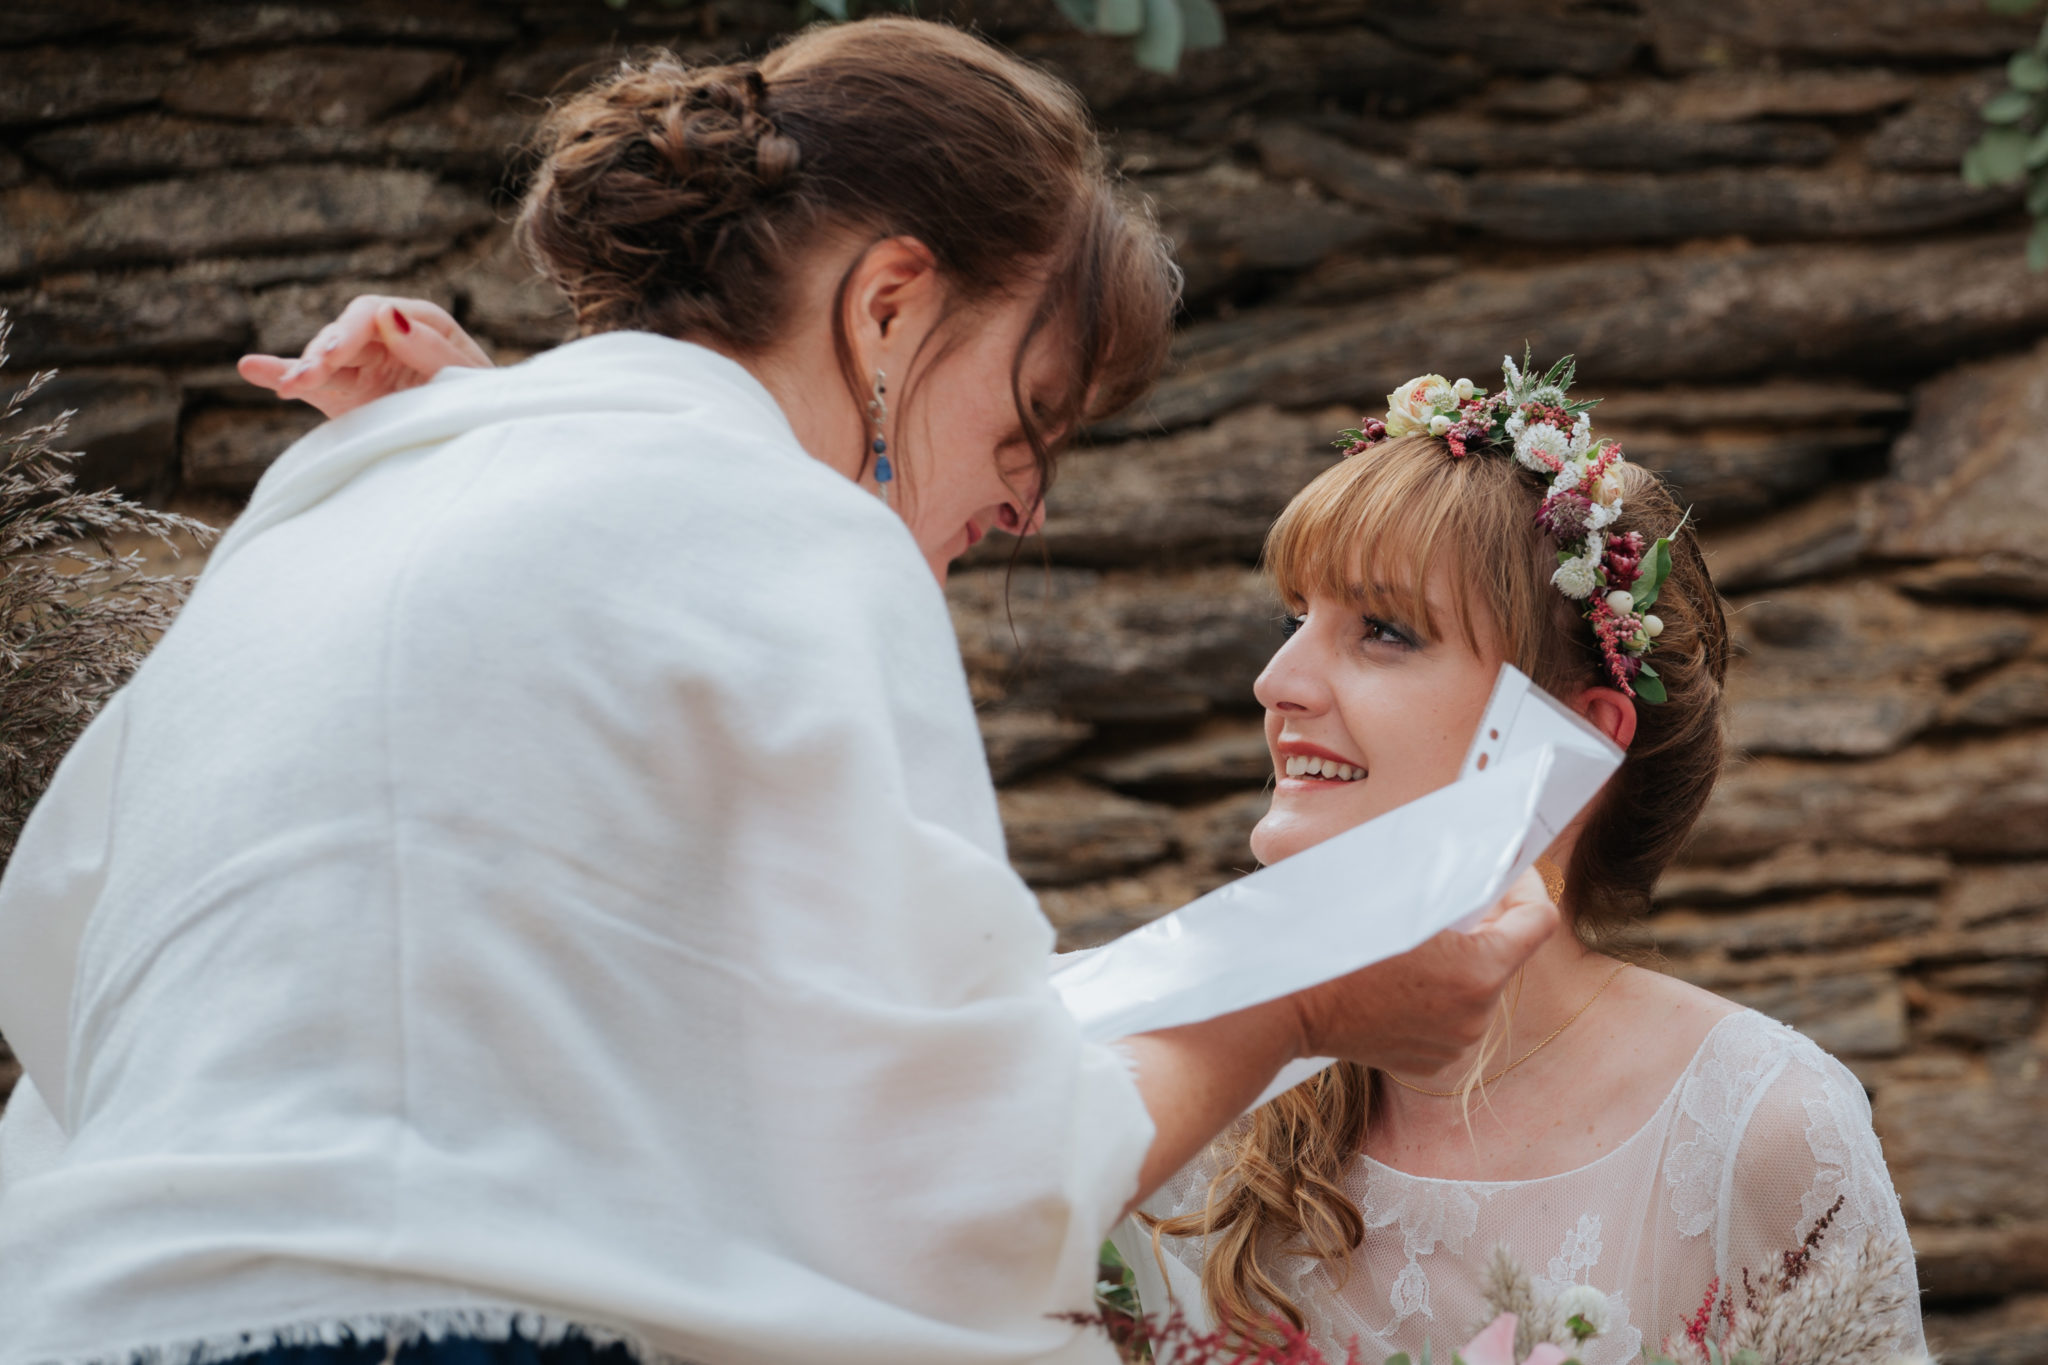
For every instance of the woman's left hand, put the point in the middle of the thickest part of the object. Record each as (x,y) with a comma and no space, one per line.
(377,346)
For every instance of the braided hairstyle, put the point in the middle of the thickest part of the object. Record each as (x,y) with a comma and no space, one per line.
(682,200)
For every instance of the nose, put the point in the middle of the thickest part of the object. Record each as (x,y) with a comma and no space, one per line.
(1294,681)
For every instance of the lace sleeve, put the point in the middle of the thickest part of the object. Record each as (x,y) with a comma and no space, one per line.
(1806,1148)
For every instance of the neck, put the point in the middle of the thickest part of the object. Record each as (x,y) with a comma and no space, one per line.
(1555,983)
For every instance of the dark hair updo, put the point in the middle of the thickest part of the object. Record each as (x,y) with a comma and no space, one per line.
(679,200)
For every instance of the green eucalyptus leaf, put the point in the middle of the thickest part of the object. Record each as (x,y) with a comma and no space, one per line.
(2027,72)
(1203,24)
(2012,6)
(1082,12)
(2008,106)
(1401,1359)
(2037,246)
(1121,17)
(2037,194)
(835,8)
(1159,47)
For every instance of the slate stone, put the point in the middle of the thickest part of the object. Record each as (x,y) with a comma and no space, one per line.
(226,212)
(97,321)
(1094,913)
(1221,754)
(1061,831)
(1824,535)
(49,84)
(1970,476)
(1735,96)
(1802,869)
(227,449)
(1205,493)
(1228,223)
(1934,131)
(1830,921)
(1123,647)
(1765,204)
(1863,1015)
(1635,318)
(1966,1153)
(2011,578)
(1502,35)
(155,143)
(449,21)
(1979,1019)
(1391,189)
(1734,473)
(1604,142)
(2013,1333)
(1547,97)
(1980,1263)
(1693,35)
(1217,834)
(1976,797)
(1775,403)
(12,171)
(1854,670)
(1989,894)
(125,425)
(328,86)
(1305,68)
(2015,695)
(1019,741)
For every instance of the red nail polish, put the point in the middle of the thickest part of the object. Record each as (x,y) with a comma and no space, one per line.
(404,323)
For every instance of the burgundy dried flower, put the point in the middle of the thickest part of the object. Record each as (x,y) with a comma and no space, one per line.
(1624,559)
(1467,436)
(1566,514)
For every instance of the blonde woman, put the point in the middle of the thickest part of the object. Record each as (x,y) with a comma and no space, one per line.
(1630,1139)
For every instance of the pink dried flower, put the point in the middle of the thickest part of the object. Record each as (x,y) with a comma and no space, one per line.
(1567,515)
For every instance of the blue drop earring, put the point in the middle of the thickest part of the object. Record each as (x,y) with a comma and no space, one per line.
(878,413)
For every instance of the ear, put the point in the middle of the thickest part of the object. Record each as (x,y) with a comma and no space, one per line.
(1609,712)
(895,289)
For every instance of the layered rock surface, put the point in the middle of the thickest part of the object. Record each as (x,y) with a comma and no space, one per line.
(1742,215)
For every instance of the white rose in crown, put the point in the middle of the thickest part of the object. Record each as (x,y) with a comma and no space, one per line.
(1410,407)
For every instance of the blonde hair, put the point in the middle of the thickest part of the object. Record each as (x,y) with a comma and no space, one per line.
(1370,531)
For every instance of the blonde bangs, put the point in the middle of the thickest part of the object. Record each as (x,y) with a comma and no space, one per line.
(1370,530)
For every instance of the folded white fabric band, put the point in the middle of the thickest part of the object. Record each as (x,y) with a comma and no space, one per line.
(1365,895)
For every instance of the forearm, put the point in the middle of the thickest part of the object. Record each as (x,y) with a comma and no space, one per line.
(1197,1078)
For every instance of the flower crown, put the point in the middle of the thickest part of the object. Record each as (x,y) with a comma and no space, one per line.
(1615,578)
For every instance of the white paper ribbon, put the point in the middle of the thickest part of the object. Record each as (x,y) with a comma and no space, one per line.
(1370,893)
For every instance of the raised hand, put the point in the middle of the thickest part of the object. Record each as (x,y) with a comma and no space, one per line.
(377,346)
(1422,1010)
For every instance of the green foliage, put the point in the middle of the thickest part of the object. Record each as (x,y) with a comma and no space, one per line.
(2013,148)
(1161,30)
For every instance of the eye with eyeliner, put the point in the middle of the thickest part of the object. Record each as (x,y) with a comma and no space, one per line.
(1380,631)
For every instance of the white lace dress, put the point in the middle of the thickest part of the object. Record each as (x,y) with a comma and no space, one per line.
(1760,1135)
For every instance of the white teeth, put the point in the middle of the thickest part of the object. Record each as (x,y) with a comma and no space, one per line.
(1306,765)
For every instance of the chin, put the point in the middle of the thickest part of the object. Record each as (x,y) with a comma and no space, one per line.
(1281,834)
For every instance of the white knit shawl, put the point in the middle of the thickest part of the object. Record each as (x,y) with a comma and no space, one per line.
(550,869)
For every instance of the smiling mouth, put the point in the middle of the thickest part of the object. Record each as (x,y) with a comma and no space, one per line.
(1322,769)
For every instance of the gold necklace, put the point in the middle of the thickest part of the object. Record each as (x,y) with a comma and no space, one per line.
(1453,1094)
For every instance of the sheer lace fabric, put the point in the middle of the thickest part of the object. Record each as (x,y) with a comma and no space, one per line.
(1757,1138)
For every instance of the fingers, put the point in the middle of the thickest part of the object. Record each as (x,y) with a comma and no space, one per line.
(264,371)
(420,345)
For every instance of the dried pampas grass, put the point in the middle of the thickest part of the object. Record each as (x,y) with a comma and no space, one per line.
(76,615)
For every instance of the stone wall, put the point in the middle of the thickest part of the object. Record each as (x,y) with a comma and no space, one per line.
(1742,215)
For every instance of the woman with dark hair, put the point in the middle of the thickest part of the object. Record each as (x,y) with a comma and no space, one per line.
(544,899)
